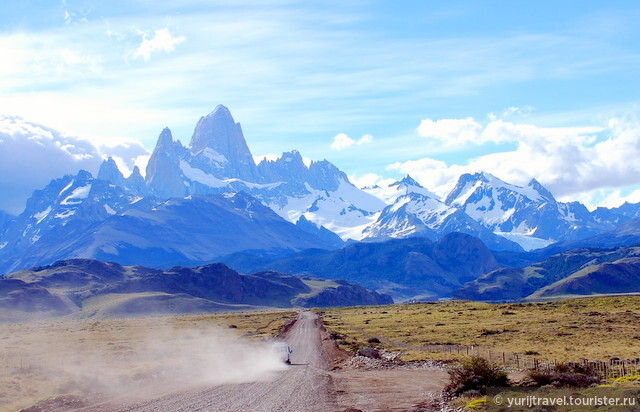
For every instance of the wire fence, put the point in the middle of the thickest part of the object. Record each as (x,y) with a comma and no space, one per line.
(607,369)
(613,368)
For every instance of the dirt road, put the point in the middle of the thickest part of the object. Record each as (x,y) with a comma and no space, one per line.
(304,386)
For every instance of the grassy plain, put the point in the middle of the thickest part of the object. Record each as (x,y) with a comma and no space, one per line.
(570,330)
(48,358)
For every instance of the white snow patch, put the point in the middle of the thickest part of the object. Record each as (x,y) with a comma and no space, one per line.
(109,211)
(465,193)
(65,214)
(524,229)
(388,193)
(254,185)
(527,242)
(431,212)
(399,203)
(77,195)
(66,187)
(199,176)
(340,211)
(526,191)
(213,156)
(41,215)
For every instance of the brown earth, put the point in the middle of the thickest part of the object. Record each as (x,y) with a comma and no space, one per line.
(322,377)
(365,384)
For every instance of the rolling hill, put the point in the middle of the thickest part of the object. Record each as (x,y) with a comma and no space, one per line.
(577,272)
(87,287)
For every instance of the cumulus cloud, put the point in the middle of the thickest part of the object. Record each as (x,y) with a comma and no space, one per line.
(511,112)
(571,162)
(369,180)
(126,152)
(342,141)
(456,132)
(606,197)
(162,40)
(31,155)
(451,132)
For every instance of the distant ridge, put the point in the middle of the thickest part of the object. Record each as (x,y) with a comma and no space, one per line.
(88,287)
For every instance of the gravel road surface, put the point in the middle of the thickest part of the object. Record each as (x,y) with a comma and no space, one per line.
(304,386)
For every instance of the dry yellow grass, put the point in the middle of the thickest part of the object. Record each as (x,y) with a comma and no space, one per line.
(593,328)
(61,356)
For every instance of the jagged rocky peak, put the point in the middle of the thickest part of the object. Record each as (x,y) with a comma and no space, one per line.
(136,182)
(408,181)
(165,141)
(164,177)
(409,184)
(472,187)
(82,177)
(535,185)
(219,140)
(109,171)
(324,175)
(288,167)
(212,127)
(293,156)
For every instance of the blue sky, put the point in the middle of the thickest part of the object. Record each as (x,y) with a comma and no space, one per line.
(540,89)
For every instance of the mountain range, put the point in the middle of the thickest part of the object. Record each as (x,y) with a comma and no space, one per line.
(414,268)
(87,287)
(577,272)
(199,203)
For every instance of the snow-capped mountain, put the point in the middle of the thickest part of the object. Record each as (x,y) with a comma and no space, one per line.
(420,213)
(56,216)
(617,215)
(219,161)
(80,216)
(521,213)
(389,193)
(276,204)
(196,203)
(497,212)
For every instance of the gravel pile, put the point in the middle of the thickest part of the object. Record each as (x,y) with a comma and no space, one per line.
(390,360)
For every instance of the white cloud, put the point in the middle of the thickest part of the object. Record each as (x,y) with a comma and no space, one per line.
(367,138)
(142,161)
(342,141)
(162,40)
(605,197)
(71,60)
(369,180)
(571,162)
(31,155)
(456,132)
(451,132)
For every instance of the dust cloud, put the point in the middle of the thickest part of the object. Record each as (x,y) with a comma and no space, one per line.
(161,360)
